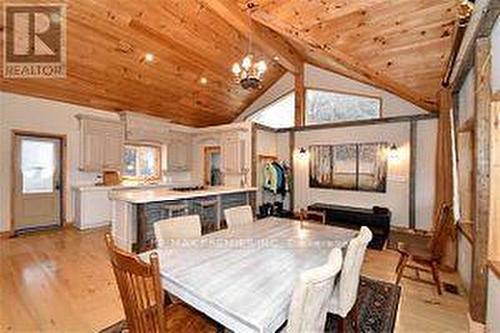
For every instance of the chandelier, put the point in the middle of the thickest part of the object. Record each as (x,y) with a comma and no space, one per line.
(249,73)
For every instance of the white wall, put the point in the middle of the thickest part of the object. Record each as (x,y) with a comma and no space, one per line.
(466,98)
(392,105)
(464,264)
(396,197)
(397,194)
(495,57)
(493,306)
(39,115)
(284,85)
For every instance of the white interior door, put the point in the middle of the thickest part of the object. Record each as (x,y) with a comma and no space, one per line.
(37,182)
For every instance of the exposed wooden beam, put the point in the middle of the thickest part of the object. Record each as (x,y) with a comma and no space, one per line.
(268,41)
(321,53)
(300,98)
(480,25)
(479,274)
(364,122)
(413,175)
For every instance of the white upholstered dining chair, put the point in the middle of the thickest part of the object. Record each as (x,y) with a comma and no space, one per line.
(177,228)
(238,216)
(311,295)
(345,293)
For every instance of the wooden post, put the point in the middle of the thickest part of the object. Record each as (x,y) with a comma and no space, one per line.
(254,155)
(300,98)
(413,173)
(292,185)
(479,276)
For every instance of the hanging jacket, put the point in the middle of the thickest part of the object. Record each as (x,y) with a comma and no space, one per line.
(270,178)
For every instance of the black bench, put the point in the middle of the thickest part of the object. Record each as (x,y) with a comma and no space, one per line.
(377,219)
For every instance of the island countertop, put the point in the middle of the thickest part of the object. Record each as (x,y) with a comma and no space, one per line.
(140,196)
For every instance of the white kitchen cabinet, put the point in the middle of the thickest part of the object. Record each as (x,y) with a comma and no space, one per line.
(144,128)
(101,144)
(93,208)
(179,152)
(233,154)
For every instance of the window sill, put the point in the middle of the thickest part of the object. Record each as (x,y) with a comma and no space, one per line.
(467,229)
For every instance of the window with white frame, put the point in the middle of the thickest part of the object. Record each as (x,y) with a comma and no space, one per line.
(141,162)
(279,114)
(324,106)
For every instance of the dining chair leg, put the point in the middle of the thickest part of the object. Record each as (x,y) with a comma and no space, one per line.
(399,263)
(344,324)
(355,316)
(437,278)
(402,268)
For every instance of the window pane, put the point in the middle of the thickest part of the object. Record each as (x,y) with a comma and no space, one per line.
(329,107)
(37,166)
(279,114)
(129,160)
(141,162)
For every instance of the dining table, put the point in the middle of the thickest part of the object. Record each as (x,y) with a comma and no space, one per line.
(244,277)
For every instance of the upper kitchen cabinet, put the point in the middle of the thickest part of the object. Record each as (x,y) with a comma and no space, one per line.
(179,152)
(101,143)
(233,153)
(143,128)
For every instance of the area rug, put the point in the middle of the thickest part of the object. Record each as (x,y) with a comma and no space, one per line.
(378,308)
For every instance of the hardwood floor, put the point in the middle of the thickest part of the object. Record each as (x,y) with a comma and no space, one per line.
(61,281)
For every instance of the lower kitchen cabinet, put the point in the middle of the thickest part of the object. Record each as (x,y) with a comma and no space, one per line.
(92,207)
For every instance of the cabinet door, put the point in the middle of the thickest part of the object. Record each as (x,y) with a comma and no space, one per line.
(113,153)
(93,152)
(231,154)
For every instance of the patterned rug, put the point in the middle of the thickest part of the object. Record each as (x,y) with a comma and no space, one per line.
(377,309)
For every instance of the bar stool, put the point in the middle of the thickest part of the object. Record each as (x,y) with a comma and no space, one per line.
(207,210)
(176,209)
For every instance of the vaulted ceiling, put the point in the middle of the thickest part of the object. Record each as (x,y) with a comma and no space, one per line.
(401,46)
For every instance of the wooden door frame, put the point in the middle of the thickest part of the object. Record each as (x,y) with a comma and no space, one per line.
(206,151)
(63,166)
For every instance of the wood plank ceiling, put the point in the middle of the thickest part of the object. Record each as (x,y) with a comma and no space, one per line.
(401,46)
(108,39)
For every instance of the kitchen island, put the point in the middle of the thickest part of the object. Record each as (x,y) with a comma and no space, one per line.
(135,211)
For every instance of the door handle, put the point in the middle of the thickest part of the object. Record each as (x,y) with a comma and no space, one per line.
(57,186)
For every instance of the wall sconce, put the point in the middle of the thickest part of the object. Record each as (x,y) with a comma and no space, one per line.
(394,153)
(302,153)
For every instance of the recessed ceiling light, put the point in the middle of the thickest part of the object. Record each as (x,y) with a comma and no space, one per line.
(203,80)
(276,58)
(149,57)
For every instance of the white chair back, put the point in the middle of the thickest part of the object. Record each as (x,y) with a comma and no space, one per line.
(177,228)
(310,298)
(346,290)
(238,216)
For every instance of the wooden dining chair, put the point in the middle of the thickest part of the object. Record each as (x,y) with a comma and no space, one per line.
(143,297)
(238,216)
(181,227)
(427,255)
(344,300)
(311,295)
